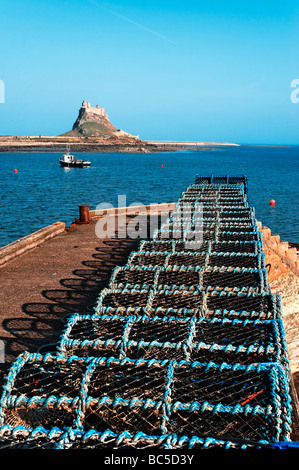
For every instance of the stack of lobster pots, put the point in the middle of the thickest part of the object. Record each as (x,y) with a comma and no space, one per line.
(185,348)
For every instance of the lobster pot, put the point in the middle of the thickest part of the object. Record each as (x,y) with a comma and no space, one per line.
(123,298)
(241,227)
(230,247)
(193,225)
(190,277)
(133,277)
(189,223)
(234,236)
(189,234)
(198,209)
(237,214)
(227,183)
(172,246)
(185,210)
(237,246)
(242,305)
(152,397)
(148,258)
(232,260)
(191,199)
(191,302)
(230,279)
(196,231)
(159,260)
(174,338)
(142,277)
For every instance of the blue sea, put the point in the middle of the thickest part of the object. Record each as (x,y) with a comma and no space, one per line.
(41,192)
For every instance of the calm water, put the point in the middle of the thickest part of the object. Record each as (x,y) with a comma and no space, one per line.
(42,192)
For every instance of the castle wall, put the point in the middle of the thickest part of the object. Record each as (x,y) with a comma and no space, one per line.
(96,110)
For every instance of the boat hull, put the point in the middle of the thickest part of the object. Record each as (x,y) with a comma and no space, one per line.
(74,164)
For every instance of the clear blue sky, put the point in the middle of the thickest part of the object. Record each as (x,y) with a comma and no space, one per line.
(166,69)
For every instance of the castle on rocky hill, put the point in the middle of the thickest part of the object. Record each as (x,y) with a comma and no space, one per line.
(94,122)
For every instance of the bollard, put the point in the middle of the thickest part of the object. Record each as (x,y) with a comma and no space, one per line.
(84,214)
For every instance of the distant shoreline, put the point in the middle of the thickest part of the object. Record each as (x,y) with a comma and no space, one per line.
(90,148)
(36,144)
(121,146)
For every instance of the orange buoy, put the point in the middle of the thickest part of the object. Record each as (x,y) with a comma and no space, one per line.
(272,202)
(15,170)
(162,166)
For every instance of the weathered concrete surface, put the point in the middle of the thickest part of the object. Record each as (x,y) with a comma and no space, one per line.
(24,244)
(151,210)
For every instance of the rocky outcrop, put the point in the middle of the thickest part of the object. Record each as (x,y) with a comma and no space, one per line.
(94,122)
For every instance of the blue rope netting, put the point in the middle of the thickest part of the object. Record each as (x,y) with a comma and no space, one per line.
(175,338)
(186,347)
(191,278)
(167,396)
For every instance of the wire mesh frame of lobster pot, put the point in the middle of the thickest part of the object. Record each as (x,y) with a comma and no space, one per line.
(233,279)
(159,260)
(172,277)
(242,305)
(237,246)
(173,246)
(233,247)
(187,235)
(154,397)
(188,339)
(198,303)
(235,260)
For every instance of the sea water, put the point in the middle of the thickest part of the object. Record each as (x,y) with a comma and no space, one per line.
(41,192)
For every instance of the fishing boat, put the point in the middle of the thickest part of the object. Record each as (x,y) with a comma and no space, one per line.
(68,160)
